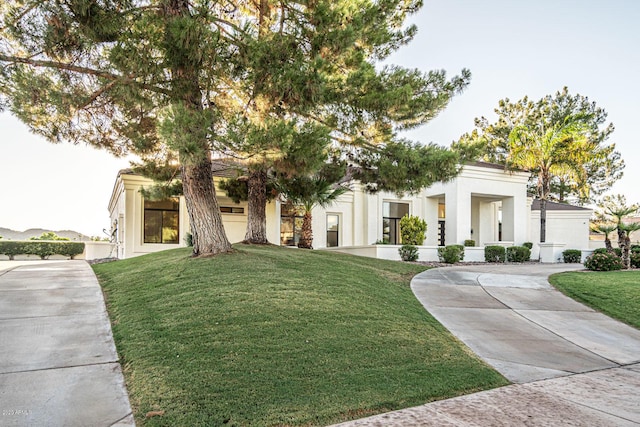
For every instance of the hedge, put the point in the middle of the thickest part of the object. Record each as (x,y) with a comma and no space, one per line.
(603,262)
(494,253)
(572,256)
(42,248)
(518,254)
(408,252)
(451,254)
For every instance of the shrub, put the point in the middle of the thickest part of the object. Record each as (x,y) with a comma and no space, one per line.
(603,262)
(470,243)
(518,254)
(600,251)
(451,254)
(70,249)
(412,229)
(528,245)
(408,252)
(41,248)
(635,248)
(188,239)
(12,248)
(617,251)
(634,259)
(494,253)
(572,256)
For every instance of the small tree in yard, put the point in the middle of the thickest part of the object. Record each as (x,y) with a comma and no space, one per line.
(309,192)
(602,226)
(412,229)
(614,211)
(49,235)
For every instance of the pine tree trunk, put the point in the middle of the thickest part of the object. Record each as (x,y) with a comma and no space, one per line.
(209,237)
(256,210)
(306,234)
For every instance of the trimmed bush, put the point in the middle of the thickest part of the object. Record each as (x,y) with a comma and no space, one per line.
(635,248)
(43,249)
(451,254)
(70,249)
(572,256)
(12,248)
(518,254)
(494,253)
(603,262)
(528,245)
(408,252)
(634,259)
(600,251)
(470,243)
(412,229)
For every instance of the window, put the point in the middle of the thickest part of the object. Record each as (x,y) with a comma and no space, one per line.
(161,221)
(231,210)
(290,224)
(391,215)
(333,230)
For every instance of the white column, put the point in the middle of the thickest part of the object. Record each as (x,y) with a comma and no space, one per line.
(508,219)
(359,217)
(458,216)
(431,217)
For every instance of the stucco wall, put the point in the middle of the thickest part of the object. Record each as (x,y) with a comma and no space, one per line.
(568,227)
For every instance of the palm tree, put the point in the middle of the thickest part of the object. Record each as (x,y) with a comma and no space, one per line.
(309,192)
(557,150)
(606,228)
(616,209)
(625,243)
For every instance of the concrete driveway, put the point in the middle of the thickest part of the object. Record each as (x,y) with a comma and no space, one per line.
(571,365)
(58,363)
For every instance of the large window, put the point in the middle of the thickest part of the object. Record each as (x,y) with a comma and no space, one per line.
(391,214)
(333,230)
(161,221)
(290,224)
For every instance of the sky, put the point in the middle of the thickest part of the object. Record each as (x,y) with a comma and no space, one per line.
(512,47)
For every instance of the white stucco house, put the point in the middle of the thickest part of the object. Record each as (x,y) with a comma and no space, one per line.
(483,203)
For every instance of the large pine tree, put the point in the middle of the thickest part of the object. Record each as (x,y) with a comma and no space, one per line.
(281,85)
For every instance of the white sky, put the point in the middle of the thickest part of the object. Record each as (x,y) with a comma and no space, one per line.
(513,49)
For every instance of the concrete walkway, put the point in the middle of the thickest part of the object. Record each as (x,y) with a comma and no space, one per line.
(58,363)
(571,365)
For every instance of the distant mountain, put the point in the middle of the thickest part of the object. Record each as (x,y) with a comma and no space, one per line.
(8,234)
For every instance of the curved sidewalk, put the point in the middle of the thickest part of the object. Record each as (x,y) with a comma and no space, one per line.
(571,365)
(58,362)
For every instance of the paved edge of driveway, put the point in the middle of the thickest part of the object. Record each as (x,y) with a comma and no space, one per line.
(601,396)
(58,362)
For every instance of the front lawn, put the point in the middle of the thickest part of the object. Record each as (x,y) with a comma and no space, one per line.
(276,336)
(615,293)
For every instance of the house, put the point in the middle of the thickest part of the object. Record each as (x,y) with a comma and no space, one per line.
(483,203)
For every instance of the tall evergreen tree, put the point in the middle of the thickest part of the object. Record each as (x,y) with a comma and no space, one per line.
(560,139)
(306,71)
(175,81)
(128,76)
(602,166)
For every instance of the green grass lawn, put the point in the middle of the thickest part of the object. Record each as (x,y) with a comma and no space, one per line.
(615,293)
(278,336)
